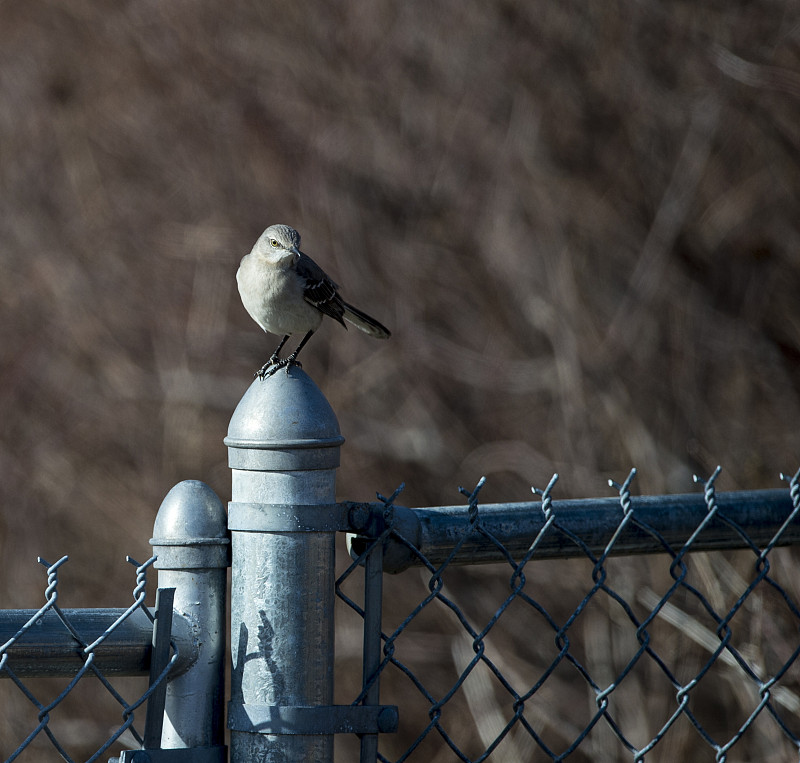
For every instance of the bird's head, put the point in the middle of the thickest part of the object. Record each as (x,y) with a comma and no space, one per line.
(279,244)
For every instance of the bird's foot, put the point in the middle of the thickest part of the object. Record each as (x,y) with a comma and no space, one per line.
(262,372)
(272,367)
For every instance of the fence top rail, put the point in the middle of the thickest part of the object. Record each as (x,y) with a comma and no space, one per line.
(744,519)
(48,648)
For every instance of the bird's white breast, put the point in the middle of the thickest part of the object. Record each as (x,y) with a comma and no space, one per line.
(273,295)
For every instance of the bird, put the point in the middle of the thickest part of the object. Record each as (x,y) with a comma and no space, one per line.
(286,292)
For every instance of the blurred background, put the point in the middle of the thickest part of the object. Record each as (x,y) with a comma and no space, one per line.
(580,222)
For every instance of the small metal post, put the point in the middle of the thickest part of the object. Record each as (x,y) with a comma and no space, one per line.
(190,540)
(373,596)
(159,659)
(283,447)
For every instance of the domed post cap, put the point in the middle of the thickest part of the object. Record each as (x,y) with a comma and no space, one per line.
(284,423)
(190,530)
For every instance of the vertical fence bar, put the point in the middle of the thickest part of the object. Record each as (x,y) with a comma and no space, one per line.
(283,447)
(190,540)
(159,659)
(373,596)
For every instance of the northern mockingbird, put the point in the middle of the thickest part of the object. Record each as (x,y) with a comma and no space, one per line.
(287,293)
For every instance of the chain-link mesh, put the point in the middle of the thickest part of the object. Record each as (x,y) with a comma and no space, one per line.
(47,700)
(667,657)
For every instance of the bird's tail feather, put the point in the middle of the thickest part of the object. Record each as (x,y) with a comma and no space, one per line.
(364,322)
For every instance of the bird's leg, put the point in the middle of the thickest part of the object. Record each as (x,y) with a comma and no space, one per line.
(290,360)
(273,359)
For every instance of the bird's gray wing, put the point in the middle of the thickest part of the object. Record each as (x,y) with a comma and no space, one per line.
(319,290)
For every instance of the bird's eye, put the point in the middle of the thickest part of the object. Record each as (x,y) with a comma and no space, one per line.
(274,242)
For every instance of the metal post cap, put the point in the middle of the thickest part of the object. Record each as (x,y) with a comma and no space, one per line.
(283,422)
(190,530)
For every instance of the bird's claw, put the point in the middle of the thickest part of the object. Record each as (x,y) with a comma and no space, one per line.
(273,366)
(262,372)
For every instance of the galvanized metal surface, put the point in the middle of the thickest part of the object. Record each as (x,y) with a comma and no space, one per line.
(435,531)
(159,663)
(373,600)
(201,755)
(49,649)
(322,719)
(190,539)
(283,443)
(283,424)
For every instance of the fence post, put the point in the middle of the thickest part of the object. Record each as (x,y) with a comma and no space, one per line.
(283,448)
(190,540)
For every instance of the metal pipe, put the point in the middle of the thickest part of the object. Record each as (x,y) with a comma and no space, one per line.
(672,518)
(48,648)
(190,539)
(283,445)
(373,598)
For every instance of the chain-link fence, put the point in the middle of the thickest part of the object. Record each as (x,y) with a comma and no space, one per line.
(678,656)
(654,628)
(138,683)
(78,645)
